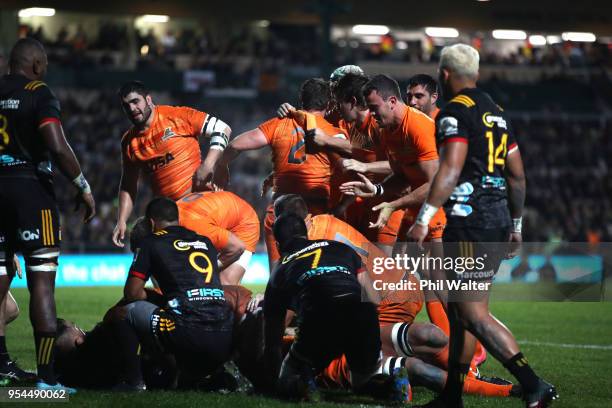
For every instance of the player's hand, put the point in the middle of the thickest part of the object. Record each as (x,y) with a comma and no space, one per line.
(221,177)
(386,209)
(364,188)
(119,234)
(253,304)
(283,110)
(353,165)
(307,121)
(87,200)
(516,239)
(267,184)
(202,177)
(17,267)
(417,233)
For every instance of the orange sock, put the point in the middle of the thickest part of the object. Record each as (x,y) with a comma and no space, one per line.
(477,387)
(437,315)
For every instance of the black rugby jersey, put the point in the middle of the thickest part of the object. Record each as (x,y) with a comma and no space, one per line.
(480,197)
(184,264)
(24,106)
(314,273)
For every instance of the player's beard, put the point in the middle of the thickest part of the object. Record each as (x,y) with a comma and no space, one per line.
(146,114)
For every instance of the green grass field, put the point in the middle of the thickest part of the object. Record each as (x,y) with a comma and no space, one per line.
(570,344)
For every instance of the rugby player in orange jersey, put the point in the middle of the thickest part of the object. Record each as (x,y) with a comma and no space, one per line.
(164,144)
(229,222)
(299,167)
(409,139)
(422,94)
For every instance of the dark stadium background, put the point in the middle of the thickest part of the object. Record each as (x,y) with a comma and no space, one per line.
(241,59)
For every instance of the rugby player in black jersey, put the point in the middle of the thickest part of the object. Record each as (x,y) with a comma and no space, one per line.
(322,281)
(31,136)
(195,323)
(481,184)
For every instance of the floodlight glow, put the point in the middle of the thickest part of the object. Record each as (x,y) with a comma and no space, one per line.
(509,35)
(537,40)
(364,29)
(155,18)
(579,37)
(443,32)
(36,12)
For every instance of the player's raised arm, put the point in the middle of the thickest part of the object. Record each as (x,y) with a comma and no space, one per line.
(250,140)
(64,158)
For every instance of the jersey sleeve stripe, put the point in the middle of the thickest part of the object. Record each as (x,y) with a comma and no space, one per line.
(512,148)
(455,140)
(48,120)
(138,275)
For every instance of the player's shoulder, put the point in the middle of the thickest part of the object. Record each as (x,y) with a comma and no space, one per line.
(126,136)
(418,116)
(173,110)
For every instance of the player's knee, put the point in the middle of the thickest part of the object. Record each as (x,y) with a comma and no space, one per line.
(432,336)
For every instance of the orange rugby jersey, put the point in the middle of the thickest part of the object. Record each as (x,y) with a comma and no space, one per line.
(296,172)
(169,151)
(411,142)
(216,214)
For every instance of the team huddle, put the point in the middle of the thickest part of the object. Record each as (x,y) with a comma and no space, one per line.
(358,173)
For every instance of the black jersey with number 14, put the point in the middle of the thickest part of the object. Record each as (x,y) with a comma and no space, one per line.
(480,199)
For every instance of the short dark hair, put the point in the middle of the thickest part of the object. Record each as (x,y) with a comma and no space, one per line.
(24,51)
(140,230)
(384,85)
(133,86)
(290,204)
(425,80)
(350,86)
(162,209)
(315,94)
(286,228)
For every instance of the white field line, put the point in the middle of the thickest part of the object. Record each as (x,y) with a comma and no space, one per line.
(567,345)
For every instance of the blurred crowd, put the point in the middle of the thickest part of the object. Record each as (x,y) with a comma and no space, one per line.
(243,49)
(569,192)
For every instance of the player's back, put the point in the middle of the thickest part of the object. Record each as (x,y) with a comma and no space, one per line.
(24,106)
(314,273)
(169,151)
(223,208)
(295,171)
(185,266)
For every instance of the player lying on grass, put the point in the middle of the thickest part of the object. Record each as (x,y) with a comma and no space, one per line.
(229,222)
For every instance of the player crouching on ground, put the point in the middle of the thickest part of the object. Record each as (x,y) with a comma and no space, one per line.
(195,324)
(322,281)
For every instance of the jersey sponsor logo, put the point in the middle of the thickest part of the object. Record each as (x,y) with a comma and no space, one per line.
(8,160)
(28,235)
(449,126)
(491,120)
(9,104)
(461,210)
(168,133)
(206,293)
(158,162)
(462,192)
(181,245)
(493,182)
(322,270)
(303,250)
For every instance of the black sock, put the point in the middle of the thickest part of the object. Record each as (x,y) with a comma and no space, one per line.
(4,356)
(454,383)
(519,367)
(129,347)
(45,351)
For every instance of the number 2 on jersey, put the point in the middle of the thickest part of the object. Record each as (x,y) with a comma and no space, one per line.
(497,155)
(317,257)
